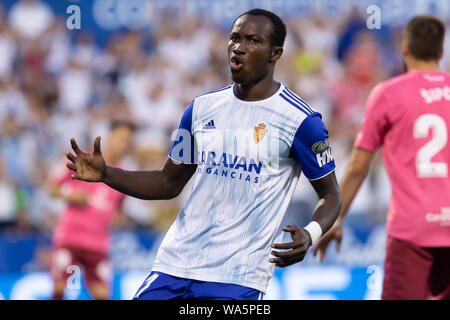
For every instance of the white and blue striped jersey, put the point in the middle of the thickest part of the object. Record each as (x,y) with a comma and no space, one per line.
(250,155)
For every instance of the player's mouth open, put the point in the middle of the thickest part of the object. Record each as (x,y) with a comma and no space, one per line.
(236,64)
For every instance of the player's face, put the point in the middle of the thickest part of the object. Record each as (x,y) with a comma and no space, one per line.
(121,138)
(250,49)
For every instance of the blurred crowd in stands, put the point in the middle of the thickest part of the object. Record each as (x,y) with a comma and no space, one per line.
(54,86)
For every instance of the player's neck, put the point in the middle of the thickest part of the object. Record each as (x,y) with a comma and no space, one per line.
(256,91)
(421,65)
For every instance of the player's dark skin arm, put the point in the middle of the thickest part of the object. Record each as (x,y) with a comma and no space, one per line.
(166,183)
(325,214)
(163,184)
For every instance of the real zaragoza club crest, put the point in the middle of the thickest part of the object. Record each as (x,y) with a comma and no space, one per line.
(259,132)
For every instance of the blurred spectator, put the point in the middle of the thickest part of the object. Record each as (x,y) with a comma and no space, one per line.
(7,199)
(30,18)
(56,42)
(8,48)
(12,101)
(75,87)
(351,26)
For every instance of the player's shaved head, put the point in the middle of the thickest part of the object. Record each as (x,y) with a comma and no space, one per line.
(279,28)
(424,35)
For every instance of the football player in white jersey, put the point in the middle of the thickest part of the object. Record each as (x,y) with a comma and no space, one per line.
(243,147)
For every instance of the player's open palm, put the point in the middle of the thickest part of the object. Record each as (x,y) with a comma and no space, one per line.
(87,167)
(335,233)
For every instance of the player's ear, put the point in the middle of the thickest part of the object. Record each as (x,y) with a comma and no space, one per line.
(404,47)
(276,53)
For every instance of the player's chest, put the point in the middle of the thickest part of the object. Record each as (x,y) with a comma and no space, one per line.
(255,132)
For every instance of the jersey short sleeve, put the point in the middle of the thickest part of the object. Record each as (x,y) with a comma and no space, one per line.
(182,149)
(311,148)
(375,123)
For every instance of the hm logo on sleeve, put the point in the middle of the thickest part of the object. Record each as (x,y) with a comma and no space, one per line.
(323,152)
(324,157)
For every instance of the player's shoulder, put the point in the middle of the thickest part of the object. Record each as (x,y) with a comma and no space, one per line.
(214,94)
(293,104)
(390,87)
(402,82)
(393,83)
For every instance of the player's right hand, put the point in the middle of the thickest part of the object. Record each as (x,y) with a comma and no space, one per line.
(87,167)
(335,233)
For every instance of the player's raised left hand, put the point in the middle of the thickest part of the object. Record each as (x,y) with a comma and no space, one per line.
(301,241)
(88,167)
